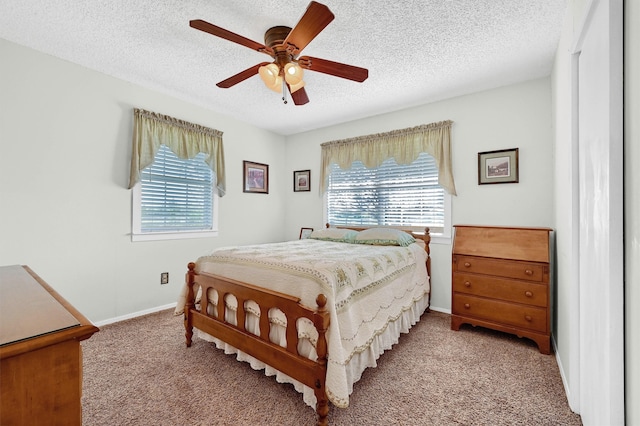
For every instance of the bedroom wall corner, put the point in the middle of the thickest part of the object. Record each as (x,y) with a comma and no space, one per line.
(565,321)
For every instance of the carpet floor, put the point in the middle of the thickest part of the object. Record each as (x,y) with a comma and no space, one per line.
(139,372)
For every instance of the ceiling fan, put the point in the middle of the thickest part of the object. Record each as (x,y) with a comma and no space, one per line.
(284,44)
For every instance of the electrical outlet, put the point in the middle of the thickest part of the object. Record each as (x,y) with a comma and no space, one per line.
(164,278)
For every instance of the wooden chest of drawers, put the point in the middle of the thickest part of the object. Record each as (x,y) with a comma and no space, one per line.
(500,280)
(40,353)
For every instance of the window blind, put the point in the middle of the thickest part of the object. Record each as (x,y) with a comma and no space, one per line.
(389,195)
(176,194)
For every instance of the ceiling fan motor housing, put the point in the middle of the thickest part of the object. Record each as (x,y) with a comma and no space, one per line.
(276,35)
(274,38)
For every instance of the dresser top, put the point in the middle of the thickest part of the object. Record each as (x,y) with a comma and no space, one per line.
(27,308)
(531,228)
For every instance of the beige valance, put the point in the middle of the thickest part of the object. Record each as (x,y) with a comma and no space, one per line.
(404,145)
(186,140)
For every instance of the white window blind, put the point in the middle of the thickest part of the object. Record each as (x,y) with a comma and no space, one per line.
(389,195)
(176,194)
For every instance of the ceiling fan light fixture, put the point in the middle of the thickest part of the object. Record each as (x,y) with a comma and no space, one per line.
(293,73)
(277,84)
(269,74)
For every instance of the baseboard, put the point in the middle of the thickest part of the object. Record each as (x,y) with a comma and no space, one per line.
(443,310)
(563,376)
(135,314)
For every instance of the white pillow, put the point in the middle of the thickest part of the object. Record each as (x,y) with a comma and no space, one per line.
(334,234)
(384,237)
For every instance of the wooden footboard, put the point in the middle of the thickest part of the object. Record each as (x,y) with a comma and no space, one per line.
(285,359)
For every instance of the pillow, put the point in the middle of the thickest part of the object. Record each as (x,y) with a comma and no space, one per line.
(384,237)
(334,234)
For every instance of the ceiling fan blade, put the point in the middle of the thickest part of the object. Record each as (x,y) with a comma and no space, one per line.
(315,19)
(201,25)
(299,97)
(241,76)
(337,69)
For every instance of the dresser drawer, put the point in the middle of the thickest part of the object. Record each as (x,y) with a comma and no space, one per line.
(503,268)
(501,288)
(527,317)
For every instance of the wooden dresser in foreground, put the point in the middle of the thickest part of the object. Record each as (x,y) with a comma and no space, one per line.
(500,280)
(40,353)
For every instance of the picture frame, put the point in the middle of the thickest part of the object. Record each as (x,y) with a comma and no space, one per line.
(301,180)
(255,177)
(305,233)
(499,166)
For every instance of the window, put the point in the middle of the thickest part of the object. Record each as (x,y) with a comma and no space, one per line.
(389,195)
(175,198)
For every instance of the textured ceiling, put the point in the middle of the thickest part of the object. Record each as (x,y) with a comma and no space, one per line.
(416,51)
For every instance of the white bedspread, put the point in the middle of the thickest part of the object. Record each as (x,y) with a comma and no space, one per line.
(367,287)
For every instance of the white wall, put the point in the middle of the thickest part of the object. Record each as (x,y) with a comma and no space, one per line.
(65,143)
(517,116)
(566,325)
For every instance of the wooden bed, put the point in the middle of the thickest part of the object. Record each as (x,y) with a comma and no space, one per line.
(286,359)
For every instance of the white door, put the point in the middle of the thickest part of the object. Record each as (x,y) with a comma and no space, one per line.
(601,256)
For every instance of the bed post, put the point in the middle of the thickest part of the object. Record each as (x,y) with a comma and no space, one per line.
(321,322)
(188,324)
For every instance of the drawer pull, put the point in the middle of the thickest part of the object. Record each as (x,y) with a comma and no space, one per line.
(467,284)
(528,318)
(528,294)
(467,265)
(467,306)
(528,272)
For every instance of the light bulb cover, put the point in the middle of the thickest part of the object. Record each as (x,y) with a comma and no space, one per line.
(269,74)
(293,73)
(277,84)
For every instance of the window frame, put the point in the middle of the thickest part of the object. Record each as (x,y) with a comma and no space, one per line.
(136,219)
(436,237)
(443,237)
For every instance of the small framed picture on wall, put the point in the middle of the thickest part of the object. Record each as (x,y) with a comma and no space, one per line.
(498,166)
(302,180)
(255,177)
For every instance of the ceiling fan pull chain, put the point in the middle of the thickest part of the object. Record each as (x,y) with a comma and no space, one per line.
(284,93)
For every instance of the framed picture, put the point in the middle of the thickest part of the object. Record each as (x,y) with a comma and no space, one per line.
(498,166)
(302,180)
(305,232)
(255,177)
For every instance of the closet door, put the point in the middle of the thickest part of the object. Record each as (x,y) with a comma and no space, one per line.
(601,216)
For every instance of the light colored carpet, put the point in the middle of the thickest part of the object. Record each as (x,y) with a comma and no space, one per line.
(139,372)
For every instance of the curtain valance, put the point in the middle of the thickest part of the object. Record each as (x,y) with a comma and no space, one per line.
(186,140)
(404,145)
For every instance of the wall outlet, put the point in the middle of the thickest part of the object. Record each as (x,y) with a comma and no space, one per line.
(164,278)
